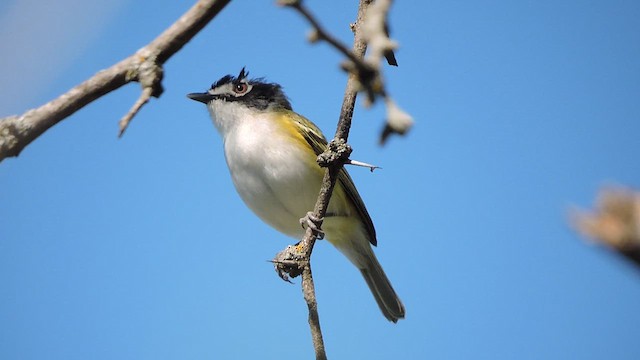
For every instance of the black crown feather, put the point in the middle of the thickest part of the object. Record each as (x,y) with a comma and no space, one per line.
(262,94)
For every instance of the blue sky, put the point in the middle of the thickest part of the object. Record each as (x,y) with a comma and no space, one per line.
(139,248)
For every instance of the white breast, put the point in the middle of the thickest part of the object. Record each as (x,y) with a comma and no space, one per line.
(269,170)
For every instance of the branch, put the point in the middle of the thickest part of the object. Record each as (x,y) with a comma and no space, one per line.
(319,33)
(296,260)
(615,223)
(374,31)
(145,67)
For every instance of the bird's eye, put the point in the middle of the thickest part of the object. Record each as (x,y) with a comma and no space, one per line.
(240,88)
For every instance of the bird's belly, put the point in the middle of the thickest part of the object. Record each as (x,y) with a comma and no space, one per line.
(279,184)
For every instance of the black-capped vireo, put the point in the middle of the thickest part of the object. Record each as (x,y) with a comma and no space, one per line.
(271,153)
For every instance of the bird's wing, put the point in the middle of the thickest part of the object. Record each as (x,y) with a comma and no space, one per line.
(318,143)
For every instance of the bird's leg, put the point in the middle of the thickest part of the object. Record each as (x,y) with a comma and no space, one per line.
(314,223)
(290,261)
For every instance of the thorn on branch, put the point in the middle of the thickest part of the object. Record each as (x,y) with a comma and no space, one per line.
(362,164)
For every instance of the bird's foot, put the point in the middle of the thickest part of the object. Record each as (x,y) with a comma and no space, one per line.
(287,262)
(313,222)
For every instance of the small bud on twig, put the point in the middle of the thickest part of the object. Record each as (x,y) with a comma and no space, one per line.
(398,121)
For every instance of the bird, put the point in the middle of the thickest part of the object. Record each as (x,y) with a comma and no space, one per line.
(271,154)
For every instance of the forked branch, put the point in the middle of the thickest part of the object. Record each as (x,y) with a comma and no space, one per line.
(296,260)
(374,31)
(144,67)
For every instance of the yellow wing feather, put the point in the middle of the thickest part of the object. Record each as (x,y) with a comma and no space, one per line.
(318,143)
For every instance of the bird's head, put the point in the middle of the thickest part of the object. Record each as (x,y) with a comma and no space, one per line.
(255,94)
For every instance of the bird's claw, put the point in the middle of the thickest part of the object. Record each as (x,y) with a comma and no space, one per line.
(287,262)
(314,223)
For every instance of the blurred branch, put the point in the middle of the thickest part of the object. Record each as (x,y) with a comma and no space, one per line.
(614,223)
(296,260)
(374,31)
(319,33)
(144,67)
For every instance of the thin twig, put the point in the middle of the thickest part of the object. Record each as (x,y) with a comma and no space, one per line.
(309,293)
(374,32)
(322,34)
(368,76)
(302,252)
(145,67)
(143,99)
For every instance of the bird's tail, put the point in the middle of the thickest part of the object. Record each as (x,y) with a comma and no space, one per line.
(380,287)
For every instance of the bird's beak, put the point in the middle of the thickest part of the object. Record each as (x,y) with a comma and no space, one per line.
(202,97)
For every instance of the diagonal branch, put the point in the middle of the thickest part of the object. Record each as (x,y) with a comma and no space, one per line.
(145,67)
(319,33)
(374,31)
(368,76)
(296,260)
